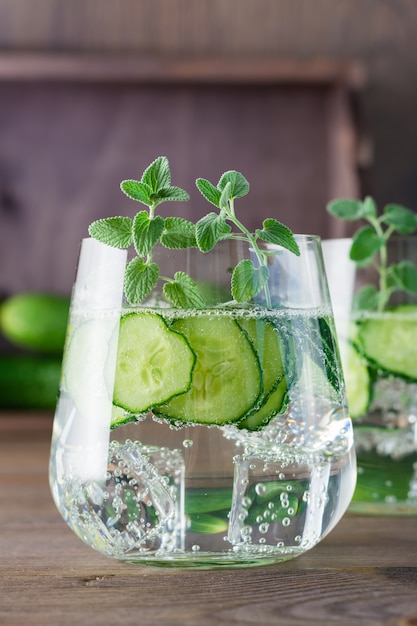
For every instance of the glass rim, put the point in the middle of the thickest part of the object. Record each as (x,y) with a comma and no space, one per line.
(394,237)
(307,237)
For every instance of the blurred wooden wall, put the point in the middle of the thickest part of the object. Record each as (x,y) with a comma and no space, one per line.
(43,129)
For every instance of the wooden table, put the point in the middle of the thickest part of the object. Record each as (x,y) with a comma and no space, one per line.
(364,572)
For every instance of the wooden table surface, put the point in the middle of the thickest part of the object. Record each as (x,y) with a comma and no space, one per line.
(364,572)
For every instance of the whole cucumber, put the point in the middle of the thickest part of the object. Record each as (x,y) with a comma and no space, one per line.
(29,381)
(35,321)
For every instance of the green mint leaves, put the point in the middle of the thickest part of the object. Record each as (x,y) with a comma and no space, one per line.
(155,186)
(248,280)
(140,278)
(114,231)
(183,292)
(146,229)
(369,247)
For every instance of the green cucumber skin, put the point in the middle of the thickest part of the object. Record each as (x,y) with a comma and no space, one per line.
(368,353)
(208,501)
(376,470)
(256,331)
(158,319)
(35,321)
(29,382)
(167,411)
(367,378)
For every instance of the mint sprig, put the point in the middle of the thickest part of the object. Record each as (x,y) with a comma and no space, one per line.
(369,247)
(146,229)
(248,278)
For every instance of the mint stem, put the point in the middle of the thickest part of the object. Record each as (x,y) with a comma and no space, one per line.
(252,240)
(382,267)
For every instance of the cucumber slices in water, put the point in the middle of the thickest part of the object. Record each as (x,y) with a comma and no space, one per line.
(269,347)
(204,369)
(226,381)
(358,380)
(275,404)
(389,340)
(154,363)
(266,341)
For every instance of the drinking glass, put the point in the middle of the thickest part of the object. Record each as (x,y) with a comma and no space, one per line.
(203,437)
(379,357)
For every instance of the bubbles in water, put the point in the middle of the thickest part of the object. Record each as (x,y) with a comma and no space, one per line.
(134,506)
(261,501)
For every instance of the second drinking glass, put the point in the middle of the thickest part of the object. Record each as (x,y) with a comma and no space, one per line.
(378,349)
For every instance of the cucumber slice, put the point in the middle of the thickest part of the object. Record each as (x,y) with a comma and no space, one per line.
(381,477)
(260,513)
(266,341)
(314,378)
(269,346)
(357,380)
(227,380)
(207,524)
(208,500)
(275,404)
(154,363)
(390,340)
(88,366)
(120,416)
(207,509)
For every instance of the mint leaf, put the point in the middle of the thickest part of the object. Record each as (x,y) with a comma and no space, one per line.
(209,191)
(171,194)
(138,191)
(183,292)
(113,231)
(403,275)
(226,195)
(368,208)
(365,244)
(210,229)
(403,220)
(248,281)
(239,186)
(366,299)
(157,175)
(276,233)
(140,279)
(346,209)
(178,233)
(146,232)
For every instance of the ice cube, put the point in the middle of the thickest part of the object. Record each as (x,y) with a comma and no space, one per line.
(136,504)
(269,501)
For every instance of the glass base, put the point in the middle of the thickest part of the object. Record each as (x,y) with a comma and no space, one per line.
(253,557)
(398,509)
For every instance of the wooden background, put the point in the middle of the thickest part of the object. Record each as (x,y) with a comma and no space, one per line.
(48,194)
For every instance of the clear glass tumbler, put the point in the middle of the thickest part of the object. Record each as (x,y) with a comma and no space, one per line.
(204,437)
(378,349)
